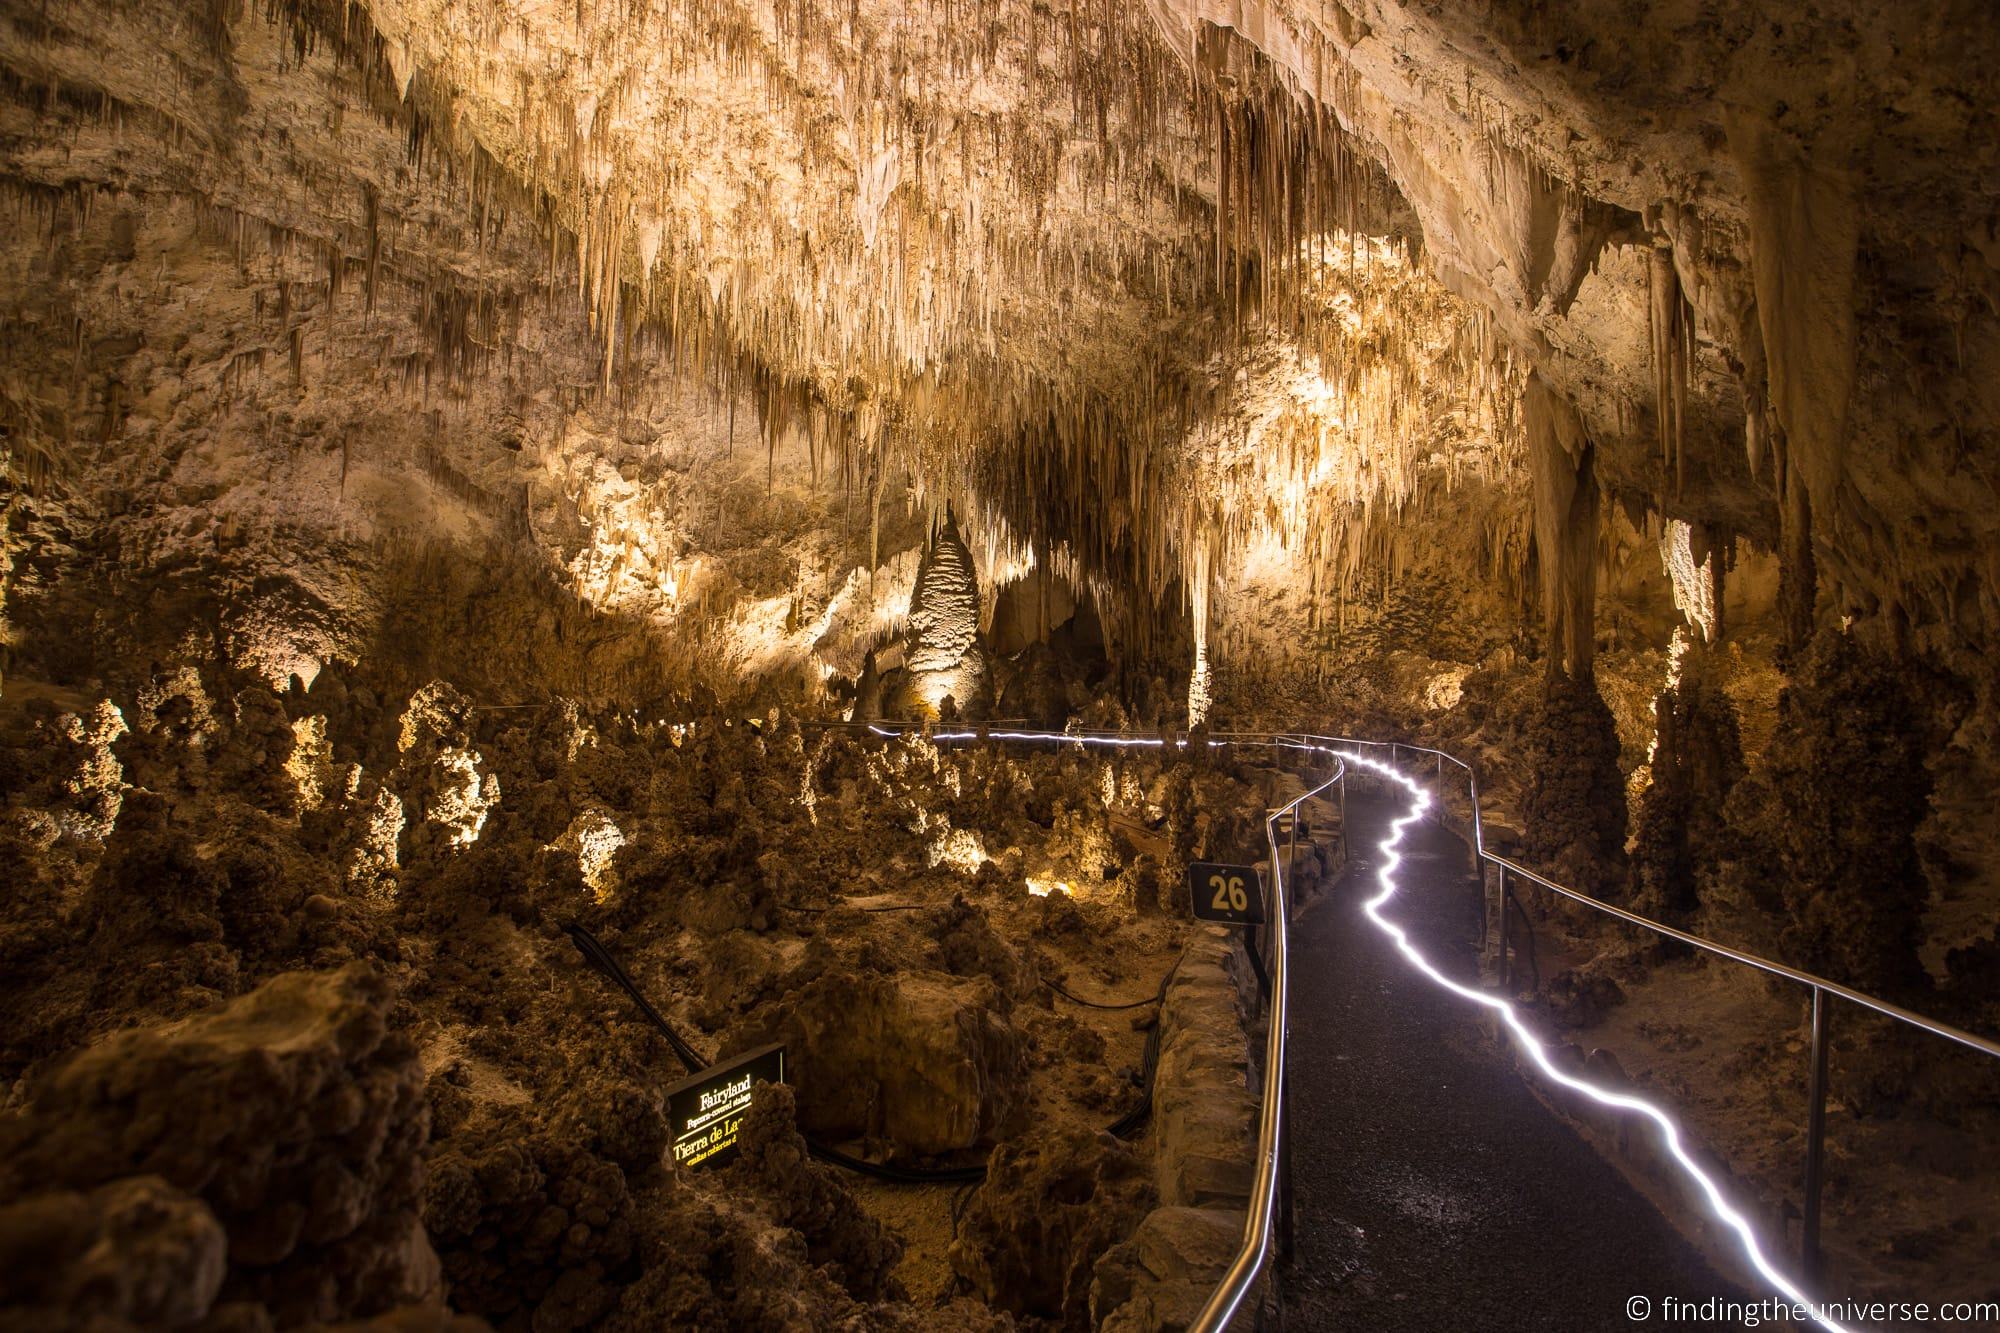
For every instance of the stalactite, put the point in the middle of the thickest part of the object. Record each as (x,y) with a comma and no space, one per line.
(1670,326)
(893,269)
(1798,574)
(1561,459)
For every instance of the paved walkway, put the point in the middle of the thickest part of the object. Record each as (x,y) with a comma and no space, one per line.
(1432,1190)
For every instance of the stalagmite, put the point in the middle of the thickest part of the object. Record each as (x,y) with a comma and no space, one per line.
(945,659)
(1200,677)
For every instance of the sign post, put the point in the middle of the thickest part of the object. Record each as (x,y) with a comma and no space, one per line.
(1232,896)
(705,1111)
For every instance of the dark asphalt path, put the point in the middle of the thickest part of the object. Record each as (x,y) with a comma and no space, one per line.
(1432,1190)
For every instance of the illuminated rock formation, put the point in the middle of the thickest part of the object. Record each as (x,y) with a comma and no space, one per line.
(945,659)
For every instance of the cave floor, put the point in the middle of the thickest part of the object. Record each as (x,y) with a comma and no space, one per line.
(1432,1188)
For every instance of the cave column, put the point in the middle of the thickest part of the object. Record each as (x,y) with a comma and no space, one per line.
(1798,575)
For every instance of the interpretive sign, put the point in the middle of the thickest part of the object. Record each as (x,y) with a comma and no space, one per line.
(706,1111)
(1233,895)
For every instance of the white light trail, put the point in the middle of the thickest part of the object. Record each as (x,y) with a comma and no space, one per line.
(1122,742)
(1669,1130)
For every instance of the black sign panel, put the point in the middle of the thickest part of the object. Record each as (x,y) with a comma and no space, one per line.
(1230,894)
(706,1111)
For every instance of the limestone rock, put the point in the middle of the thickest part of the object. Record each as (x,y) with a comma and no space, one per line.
(1051,1205)
(930,1061)
(946,659)
(136,1252)
(1163,1275)
(840,1238)
(1575,808)
(1203,1107)
(293,1114)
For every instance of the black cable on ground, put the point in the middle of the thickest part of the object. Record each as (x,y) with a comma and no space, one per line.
(1094,1004)
(600,958)
(897,1175)
(1128,1124)
(1255,952)
(959,1198)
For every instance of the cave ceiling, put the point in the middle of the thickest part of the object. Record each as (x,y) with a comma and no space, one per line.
(1075,265)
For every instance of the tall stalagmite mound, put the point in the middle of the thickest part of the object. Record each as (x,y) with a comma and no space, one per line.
(946,660)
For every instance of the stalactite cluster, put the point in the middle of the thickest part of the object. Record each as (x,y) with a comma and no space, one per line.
(1670,330)
(869,263)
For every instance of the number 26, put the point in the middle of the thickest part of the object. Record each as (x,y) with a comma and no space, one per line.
(1229,894)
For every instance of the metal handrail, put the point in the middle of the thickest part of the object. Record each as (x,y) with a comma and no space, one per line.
(1256,1247)
(1251,1256)
(1821,988)
(1984,1045)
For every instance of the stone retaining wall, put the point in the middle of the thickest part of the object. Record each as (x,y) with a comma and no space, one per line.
(1206,1094)
(1205,1125)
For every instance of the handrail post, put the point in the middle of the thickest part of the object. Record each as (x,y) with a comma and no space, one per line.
(1822,1021)
(1292,855)
(1440,789)
(1503,927)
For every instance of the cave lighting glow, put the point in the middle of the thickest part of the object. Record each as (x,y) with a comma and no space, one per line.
(1693,580)
(1200,679)
(1669,1130)
(1042,886)
(1116,742)
(960,849)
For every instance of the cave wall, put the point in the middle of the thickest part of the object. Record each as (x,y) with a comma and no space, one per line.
(283,384)
(1748,243)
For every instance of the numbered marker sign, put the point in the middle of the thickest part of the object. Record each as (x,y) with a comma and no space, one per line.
(1231,894)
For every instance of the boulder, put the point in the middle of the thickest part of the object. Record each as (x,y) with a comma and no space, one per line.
(930,1061)
(1163,1275)
(1031,1235)
(135,1252)
(293,1115)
